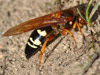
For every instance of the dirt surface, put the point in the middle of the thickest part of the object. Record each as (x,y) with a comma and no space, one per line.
(59,60)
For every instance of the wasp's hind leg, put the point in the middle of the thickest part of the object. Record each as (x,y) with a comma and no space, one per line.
(43,48)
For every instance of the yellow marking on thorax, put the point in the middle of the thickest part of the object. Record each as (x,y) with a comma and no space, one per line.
(42,33)
(70,22)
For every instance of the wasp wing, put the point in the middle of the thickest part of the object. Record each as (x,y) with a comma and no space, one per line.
(43,21)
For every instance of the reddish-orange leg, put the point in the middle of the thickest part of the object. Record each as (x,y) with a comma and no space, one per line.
(76,24)
(43,48)
(64,33)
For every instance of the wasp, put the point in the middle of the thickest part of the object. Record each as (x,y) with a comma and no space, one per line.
(46,28)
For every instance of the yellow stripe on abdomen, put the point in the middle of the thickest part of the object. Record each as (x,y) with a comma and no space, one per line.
(33,46)
(36,42)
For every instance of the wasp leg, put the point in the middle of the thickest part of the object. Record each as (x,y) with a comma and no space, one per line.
(74,26)
(64,33)
(43,48)
(79,28)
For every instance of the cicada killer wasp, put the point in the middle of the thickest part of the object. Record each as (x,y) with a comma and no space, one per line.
(46,28)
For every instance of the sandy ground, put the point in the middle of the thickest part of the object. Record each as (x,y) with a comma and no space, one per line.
(62,60)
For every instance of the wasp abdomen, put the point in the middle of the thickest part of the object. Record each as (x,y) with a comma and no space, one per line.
(36,41)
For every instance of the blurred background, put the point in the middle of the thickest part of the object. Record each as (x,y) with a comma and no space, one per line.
(62,61)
